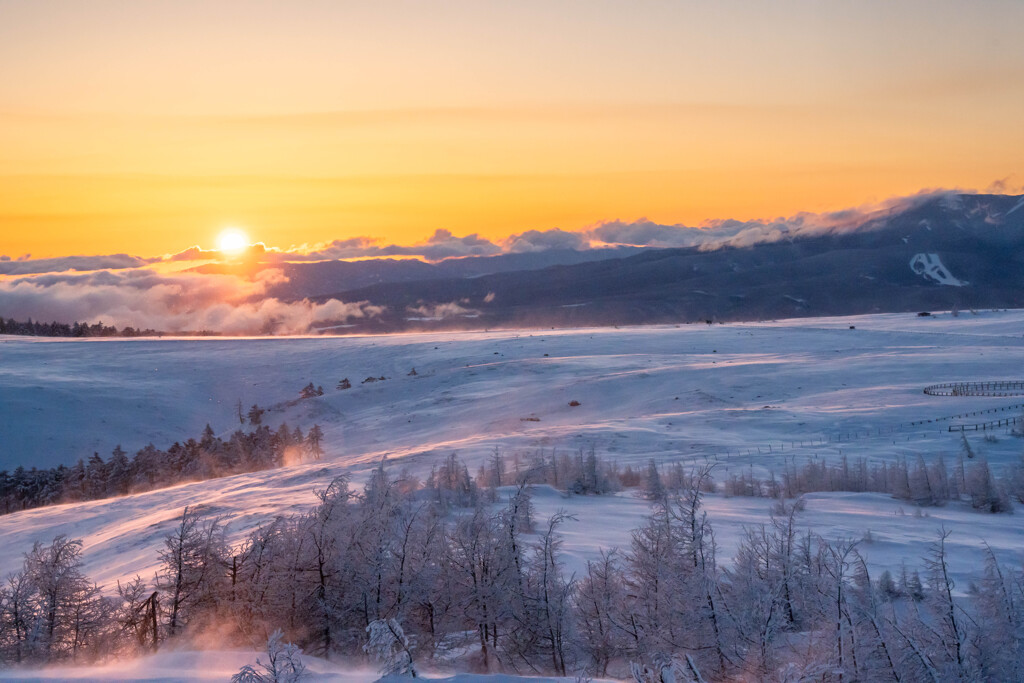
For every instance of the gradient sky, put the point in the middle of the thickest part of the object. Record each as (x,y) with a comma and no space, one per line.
(146,127)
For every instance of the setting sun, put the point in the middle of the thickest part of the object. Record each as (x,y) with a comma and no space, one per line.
(232,241)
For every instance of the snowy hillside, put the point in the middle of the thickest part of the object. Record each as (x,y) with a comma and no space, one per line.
(748,397)
(665,391)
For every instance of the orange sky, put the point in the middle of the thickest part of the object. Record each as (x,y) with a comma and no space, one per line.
(146,127)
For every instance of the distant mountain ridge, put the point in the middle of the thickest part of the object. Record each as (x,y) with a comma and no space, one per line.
(318,278)
(904,261)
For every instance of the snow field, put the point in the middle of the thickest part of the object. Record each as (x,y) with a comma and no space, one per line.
(694,393)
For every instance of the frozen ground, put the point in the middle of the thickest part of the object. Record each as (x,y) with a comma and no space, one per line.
(750,395)
(217,666)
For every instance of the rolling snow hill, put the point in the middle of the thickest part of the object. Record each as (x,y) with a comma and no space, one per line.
(747,397)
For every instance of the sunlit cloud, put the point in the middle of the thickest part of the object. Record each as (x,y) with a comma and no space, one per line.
(542,240)
(26,265)
(441,245)
(176,302)
(719,233)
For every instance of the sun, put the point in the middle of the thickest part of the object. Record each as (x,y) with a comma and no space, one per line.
(232,242)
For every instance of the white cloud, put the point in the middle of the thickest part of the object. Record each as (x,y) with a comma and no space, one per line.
(542,240)
(172,303)
(441,245)
(451,309)
(28,266)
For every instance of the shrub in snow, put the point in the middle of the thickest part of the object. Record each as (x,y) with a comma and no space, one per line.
(284,664)
(666,670)
(389,645)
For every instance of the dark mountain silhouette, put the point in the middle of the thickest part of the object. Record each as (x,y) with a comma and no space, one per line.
(952,251)
(314,279)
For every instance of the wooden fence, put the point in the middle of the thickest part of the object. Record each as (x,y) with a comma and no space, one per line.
(998,388)
(983,426)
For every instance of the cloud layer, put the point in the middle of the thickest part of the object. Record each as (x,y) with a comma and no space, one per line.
(441,245)
(178,302)
(26,265)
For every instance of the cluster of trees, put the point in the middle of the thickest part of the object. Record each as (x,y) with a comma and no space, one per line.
(917,482)
(389,571)
(49,611)
(76,329)
(584,473)
(151,468)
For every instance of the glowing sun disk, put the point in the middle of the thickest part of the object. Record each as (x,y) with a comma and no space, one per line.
(232,241)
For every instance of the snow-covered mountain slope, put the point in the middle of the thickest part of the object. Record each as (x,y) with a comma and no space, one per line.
(751,396)
(655,391)
(755,395)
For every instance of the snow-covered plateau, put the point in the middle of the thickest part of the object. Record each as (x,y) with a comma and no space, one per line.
(746,397)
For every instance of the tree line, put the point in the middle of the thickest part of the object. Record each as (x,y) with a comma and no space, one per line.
(969,479)
(446,571)
(151,468)
(913,480)
(55,329)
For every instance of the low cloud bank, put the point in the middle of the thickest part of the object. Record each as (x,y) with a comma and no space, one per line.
(26,265)
(441,245)
(639,233)
(172,303)
(719,233)
(451,309)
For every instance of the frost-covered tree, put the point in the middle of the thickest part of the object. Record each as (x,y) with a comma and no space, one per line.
(388,645)
(137,614)
(950,627)
(984,491)
(18,617)
(49,610)
(284,664)
(1000,620)
(653,487)
(481,570)
(63,594)
(192,575)
(600,603)
(547,599)
(323,560)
